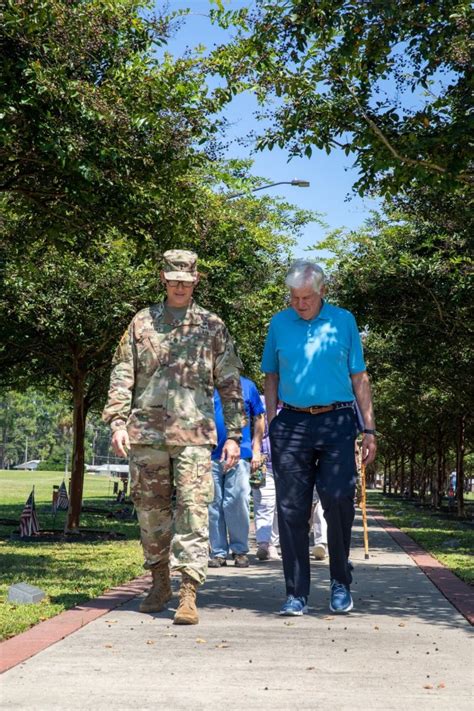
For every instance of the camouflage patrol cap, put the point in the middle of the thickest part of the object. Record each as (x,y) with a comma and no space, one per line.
(180,264)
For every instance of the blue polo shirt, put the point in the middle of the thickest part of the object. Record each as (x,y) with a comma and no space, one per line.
(314,359)
(253,407)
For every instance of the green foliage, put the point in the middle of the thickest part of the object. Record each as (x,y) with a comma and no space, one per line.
(100,175)
(50,465)
(64,310)
(38,424)
(33,425)
(388,82)
(408,276)
(95,132)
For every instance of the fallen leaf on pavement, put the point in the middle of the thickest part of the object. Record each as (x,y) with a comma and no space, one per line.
(428,686)
(222,646)
(310,668)
(151,641)
(199,640)
(108,646)
(376,628)
(289,624)
(328,617)
(402,624)
(441,685)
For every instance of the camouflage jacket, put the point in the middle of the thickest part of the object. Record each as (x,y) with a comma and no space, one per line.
(164,374)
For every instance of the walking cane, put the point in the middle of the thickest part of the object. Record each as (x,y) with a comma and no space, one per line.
(363,506)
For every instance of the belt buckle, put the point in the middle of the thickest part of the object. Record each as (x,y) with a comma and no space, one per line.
(313,410)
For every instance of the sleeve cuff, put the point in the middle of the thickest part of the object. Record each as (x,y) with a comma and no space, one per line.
(118,425)
(235,435)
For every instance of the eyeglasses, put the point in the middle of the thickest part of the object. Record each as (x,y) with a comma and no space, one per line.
(184,284)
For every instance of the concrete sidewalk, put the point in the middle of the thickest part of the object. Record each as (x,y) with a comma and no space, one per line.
(403,647)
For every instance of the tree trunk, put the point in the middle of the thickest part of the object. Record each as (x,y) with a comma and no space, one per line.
(439,483)
(460,451)
(395,474)
(402,472)
(77,464)
(424,474)
(444,473)
(386,465)
(412,470)
(4,434)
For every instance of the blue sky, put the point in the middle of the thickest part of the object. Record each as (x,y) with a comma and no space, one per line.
(331,177)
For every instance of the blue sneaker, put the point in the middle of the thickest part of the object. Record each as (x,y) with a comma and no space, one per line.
(294,606)
(341,599)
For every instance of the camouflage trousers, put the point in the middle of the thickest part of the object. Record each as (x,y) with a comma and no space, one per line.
(180,537)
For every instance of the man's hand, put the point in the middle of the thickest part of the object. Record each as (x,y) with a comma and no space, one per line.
(121,443)
(230,454)
(369,448)
(256,461)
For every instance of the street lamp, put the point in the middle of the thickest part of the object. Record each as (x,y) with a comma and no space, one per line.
(296,182)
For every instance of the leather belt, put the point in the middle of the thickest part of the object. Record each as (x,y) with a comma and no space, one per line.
(318,409)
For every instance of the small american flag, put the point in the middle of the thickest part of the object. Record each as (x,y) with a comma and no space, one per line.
(62,502)
(29,525)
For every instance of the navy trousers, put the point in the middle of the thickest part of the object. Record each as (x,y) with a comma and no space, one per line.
(307,450)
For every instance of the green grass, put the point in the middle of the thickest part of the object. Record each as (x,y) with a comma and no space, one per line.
(69,573)
(432,532)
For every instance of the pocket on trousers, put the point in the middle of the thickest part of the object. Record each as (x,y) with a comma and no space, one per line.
(272,424)
(206,482)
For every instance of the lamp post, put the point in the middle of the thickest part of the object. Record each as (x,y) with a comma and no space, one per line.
(296,182)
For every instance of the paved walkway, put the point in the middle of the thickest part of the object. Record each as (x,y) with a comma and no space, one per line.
(403,647)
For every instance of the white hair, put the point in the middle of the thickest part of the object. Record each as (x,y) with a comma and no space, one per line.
(302,273)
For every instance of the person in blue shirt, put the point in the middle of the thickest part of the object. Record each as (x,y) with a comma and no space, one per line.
(313,364)
(229,513)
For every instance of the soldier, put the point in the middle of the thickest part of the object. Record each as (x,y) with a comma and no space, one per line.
(160,407)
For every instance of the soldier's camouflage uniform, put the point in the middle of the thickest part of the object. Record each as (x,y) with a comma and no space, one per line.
(161,390)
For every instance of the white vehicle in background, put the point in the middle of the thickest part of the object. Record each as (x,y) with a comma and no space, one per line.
(31,465)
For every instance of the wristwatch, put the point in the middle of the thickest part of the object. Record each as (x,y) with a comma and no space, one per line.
(236,439)
(371,432)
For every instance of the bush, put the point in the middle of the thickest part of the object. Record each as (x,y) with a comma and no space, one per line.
(50,466)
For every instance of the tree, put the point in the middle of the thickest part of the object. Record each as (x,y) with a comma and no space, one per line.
(97,147)
(389,82)
(62,314)
(101,174)
(30,426)
(96,133)
(409,280)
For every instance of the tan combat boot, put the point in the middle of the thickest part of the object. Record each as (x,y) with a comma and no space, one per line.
(160,592)
(187,614)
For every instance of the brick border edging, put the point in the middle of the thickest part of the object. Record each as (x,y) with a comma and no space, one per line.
(17,649)
(455,590)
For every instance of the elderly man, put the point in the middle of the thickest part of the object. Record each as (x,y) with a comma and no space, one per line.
(160,407)
(314,364)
